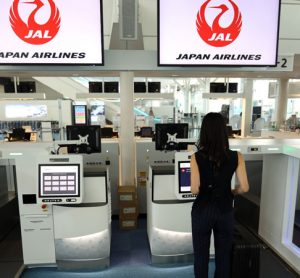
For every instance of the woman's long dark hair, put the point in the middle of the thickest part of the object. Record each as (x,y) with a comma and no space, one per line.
(213,140)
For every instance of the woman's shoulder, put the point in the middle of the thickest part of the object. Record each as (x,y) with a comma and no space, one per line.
(233,154)
(200,154)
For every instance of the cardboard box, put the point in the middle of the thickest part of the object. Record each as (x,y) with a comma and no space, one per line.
(128,223)
(127,193)
(129,209)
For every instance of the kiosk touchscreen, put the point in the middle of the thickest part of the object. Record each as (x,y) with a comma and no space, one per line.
(60,180)
(183,176)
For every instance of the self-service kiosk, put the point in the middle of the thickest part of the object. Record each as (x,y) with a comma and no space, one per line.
(70,226)
(169,204)
(64,204)
(169,199)
(59,181)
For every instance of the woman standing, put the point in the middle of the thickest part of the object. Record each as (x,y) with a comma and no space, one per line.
(212,168)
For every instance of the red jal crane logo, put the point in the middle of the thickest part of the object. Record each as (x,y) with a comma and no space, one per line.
(32,32)
(216,35)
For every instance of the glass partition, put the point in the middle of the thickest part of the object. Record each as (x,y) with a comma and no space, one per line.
(296,228)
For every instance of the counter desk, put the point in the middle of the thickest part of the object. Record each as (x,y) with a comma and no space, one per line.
(271,208)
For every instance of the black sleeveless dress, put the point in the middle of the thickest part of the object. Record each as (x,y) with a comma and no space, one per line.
(215,183)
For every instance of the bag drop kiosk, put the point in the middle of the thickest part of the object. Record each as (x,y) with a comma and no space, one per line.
(65,218)
(169,202)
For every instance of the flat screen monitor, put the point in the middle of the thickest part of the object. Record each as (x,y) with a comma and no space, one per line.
(184,176)
(51,32)
(111,87)
(206,33)
(9,87)
(27,87)
(153,87)
(95,87)
(74,132)
(232,87)
(107,132)
(26,111)
(164,134)
(59,180)
(140,87)
(22,87)
(146,131)
(97,114)
(80,114)
(18,134)
(217,87)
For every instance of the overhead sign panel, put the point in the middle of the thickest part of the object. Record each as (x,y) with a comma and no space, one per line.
(51,32)
(218,32)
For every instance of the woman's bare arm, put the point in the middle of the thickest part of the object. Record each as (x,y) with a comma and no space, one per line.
(195,176)
(242,176)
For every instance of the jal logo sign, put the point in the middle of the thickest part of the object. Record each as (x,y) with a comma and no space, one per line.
(30,29)
(225,25)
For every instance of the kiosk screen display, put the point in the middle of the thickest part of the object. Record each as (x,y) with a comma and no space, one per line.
(80,114)
(59,180)
(184,176)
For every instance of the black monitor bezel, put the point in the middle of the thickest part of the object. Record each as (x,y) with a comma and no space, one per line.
(154,87)
(111,84)
(159,127)
(139,87)
(95,84)
(146,131)
(97,129)
(107,132)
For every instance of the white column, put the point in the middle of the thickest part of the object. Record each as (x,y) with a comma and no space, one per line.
(247,108)
(127,144)
(281,101)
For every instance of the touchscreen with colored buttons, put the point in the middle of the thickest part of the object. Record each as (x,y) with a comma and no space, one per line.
(59,180)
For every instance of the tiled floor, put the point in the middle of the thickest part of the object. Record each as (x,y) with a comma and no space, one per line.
(130,256)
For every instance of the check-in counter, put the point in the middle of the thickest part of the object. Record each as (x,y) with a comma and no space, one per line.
(65,235)
(280,203)
(168,219)
(270,208)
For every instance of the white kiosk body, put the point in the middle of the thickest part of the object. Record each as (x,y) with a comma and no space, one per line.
(169,202)
(65,231)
